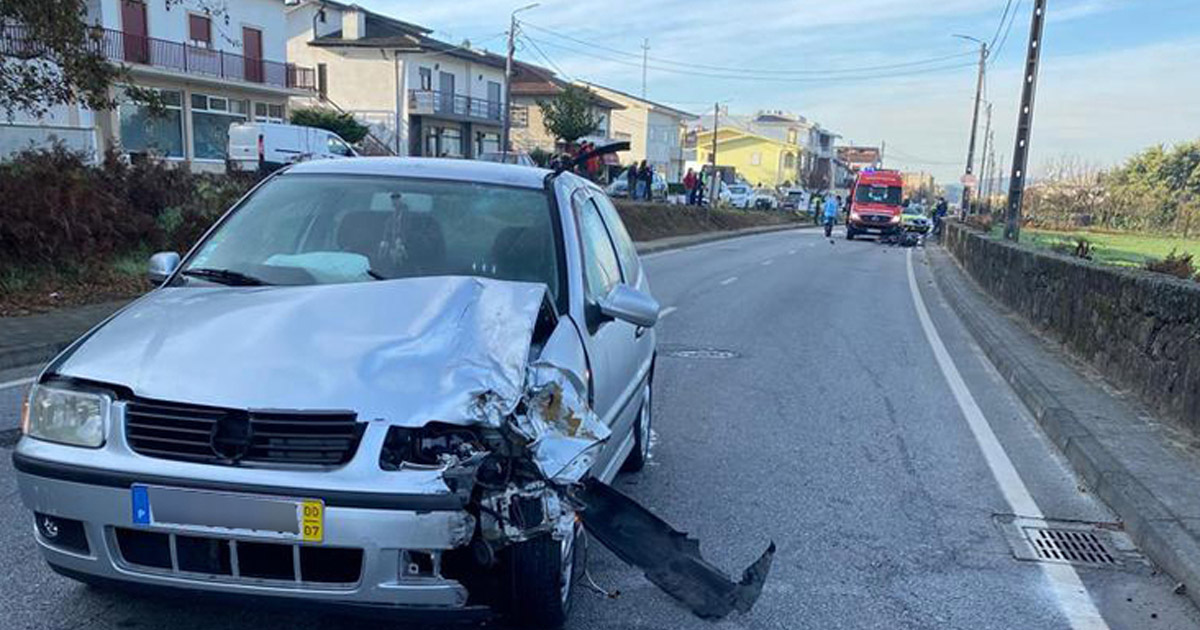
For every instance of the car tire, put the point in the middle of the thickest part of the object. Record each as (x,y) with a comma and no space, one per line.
(637,458)
(542,576)
(849,233)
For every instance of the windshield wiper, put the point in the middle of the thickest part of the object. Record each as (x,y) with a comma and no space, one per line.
(225,276)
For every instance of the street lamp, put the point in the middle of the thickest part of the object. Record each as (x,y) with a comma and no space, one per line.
(508,63)
(968,176)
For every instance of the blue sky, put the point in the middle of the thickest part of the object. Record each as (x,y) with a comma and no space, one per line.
(1117,75)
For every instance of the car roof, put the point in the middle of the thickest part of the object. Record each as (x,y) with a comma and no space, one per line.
(430,168)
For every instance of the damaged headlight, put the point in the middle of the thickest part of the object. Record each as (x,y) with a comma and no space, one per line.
(434,445)
(66,416)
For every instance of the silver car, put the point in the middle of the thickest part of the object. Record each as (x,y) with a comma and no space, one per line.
(372,383)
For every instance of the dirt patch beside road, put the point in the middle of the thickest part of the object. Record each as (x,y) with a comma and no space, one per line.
(650,221)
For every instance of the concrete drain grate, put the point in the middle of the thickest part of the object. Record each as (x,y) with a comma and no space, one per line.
(700,353)
(1100,545)
(1068,545)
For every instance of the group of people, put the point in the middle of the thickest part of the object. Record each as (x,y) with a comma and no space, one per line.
(694,185)
(641,181)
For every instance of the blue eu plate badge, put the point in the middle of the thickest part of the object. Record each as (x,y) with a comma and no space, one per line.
(141,505)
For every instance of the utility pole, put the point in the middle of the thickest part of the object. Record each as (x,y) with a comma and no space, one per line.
(983,53)
(983,166)
(506,128)
(1016,186)
(712,159)
(882,151)
(645,57)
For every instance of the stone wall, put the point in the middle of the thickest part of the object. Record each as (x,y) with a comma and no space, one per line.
(1139,329)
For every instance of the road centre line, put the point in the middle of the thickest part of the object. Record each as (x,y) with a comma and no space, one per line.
(728,281)
(1073,598)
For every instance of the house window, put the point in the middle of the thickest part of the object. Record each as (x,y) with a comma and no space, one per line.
(789,161)
(756,158)
(199,31)
(142,131)
(268,112)
(791,136)
(486,142)
(443,141)
(211,117)
(426,79)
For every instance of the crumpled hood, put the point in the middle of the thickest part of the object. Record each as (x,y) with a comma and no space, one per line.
(410,351)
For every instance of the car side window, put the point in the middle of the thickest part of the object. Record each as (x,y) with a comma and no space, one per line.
(601,270)
(626,250)
(337,147)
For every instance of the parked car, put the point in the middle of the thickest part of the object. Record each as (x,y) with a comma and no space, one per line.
(740,195)
(620,186)
(519,158)
(913,219)
(764,199)
(797,200)
(369,384)
(258,145)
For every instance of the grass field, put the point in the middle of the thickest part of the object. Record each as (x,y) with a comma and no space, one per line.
(1130,250)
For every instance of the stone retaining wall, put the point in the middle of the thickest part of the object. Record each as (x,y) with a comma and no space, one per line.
(1139,329)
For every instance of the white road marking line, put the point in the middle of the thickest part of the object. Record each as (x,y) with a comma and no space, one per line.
(728,281)
(1073,598)
(18,382)
(666,311)
(766,263)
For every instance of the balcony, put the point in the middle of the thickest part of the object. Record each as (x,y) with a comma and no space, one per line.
(455,106)
(119,47)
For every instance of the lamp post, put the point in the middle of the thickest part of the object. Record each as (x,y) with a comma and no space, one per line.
(508,71)
(983,54)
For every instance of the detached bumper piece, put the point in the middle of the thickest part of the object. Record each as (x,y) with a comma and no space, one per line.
(670,559)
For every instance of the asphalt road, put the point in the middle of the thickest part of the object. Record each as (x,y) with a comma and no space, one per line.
(829,427)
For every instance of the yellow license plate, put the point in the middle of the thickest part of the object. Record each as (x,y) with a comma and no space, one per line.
(312,521)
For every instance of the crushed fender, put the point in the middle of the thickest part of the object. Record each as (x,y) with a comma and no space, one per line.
(670,559)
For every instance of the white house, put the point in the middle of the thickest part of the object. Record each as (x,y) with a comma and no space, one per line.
(420,96)
(654,131)
(214,62)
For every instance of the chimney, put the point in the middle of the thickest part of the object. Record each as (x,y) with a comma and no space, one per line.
(354,23)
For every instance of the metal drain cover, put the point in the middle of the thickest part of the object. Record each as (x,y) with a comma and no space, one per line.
(700,353)
(1068,542)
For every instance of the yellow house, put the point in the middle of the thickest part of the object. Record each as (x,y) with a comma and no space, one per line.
(759,159)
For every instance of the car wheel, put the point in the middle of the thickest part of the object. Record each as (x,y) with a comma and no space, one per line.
(641,436)
(543,571)
(849,233)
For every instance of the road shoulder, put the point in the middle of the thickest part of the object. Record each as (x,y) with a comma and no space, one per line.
(1144,469)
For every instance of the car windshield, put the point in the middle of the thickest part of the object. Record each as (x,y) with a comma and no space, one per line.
(889,195)
(914,210)
(738,190)
(328,229)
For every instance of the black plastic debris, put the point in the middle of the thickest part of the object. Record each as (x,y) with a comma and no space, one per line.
(669,558)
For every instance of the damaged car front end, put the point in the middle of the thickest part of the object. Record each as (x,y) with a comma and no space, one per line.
(390,384)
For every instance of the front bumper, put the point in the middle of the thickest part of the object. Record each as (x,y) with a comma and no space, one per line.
(384,534)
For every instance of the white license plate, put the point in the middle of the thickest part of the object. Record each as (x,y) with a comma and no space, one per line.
(228,513)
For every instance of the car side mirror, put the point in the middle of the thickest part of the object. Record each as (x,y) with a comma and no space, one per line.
(162,265)
(630,305)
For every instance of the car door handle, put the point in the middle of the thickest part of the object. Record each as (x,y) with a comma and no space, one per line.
(639,331)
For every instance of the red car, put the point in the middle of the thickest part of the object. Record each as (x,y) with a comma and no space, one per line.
(875,203)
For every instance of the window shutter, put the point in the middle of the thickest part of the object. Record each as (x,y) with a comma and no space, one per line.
(199,29)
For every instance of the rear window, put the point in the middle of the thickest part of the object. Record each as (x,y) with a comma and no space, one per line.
(327,229)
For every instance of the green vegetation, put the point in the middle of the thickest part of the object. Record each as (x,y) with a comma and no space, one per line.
(1113,248)
(569,116)
(344,125)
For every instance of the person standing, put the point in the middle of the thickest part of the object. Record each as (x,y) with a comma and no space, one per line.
(689,186)
(632,180)
(832,206)
(645,179)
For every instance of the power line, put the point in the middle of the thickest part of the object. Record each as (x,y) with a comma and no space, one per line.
(1000,26)
(681,64)
(1008,29)
(747,77)
(544,56)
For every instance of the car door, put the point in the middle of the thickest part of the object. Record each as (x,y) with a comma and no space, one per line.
(609,342)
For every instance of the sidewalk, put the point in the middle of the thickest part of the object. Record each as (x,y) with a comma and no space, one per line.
(1144,469)
(35,339)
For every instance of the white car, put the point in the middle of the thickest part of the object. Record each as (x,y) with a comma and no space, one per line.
(763,199)
(257,145)
(740,196)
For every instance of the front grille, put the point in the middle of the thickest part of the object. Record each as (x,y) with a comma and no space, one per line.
(209,558)
(187,432)
(876,218)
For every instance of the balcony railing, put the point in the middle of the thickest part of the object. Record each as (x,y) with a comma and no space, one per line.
(449,104)
(16,41)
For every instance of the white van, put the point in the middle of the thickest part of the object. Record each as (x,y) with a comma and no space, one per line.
(271,145)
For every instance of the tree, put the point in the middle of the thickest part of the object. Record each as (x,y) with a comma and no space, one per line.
(52,56)
(342,124)
(568,116)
